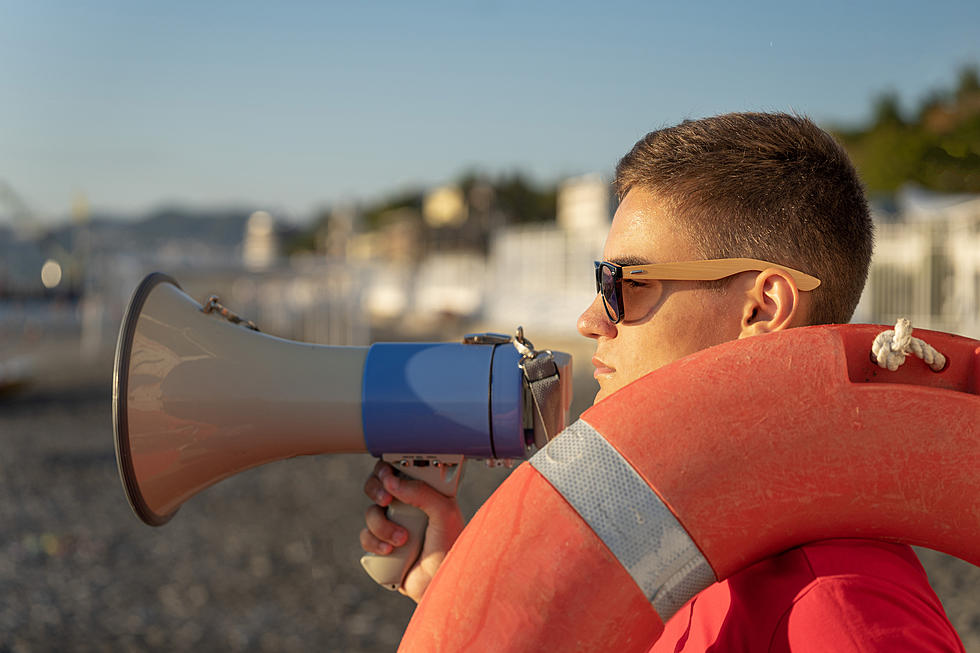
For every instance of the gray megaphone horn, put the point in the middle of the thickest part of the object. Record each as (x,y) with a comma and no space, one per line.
(199,394)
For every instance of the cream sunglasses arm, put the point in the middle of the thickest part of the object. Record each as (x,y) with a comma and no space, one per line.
(713,269)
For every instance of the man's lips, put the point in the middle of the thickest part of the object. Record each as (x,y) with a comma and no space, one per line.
(601,367)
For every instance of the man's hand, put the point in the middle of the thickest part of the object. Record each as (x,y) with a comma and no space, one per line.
(382,535)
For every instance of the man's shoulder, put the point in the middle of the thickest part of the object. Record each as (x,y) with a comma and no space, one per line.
(864,596)
(846,594)
(780,580)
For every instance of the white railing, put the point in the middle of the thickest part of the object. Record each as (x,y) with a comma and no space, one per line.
(928,269)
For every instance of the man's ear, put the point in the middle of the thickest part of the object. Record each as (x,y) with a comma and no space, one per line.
(773,303)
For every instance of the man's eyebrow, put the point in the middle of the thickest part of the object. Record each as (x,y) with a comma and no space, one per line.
(624,261)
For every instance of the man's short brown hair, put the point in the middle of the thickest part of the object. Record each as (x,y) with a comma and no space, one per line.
(768,186)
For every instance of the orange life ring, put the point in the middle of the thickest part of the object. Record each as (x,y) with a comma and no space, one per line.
(701,468)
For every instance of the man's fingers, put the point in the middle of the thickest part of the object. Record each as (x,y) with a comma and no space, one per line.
(371,544)
(411,491)
(437,507)
(376,491)
(382,528)
(382,535)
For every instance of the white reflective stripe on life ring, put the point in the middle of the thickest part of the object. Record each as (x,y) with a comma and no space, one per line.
(627,515)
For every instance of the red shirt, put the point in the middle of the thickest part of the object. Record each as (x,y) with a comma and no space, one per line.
(836,595)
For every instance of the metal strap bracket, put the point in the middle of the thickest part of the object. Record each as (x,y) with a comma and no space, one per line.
(541,373)
(213,305)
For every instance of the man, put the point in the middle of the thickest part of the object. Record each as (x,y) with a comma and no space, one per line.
(771,187)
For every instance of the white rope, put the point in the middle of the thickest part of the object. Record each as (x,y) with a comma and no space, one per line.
(891,347)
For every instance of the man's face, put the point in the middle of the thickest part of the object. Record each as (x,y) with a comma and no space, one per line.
(663,320)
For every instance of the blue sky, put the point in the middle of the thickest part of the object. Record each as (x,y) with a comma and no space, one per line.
(291,105)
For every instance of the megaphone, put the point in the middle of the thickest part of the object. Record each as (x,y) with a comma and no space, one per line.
(199,394)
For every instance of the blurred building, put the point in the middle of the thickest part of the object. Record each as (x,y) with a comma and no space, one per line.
(426,269)
(472,267)
(260,247)
(236,254)
(583,205)
(540,276)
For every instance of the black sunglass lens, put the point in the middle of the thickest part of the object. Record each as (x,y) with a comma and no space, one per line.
(608,289)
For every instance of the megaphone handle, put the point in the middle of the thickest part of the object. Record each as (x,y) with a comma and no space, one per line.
(389,570)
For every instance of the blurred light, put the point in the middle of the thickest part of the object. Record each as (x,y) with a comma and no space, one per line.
(444,207)
(260,223)
(51,273)
(79,208)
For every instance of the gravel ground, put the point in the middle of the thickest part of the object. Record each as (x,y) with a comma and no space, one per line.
(264,561)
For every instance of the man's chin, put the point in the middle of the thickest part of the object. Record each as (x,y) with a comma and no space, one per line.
(607,387)
(602,394)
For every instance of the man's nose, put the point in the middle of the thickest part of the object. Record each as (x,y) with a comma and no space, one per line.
(593,322)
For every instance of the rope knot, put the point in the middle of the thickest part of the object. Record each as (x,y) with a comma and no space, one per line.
(890,348)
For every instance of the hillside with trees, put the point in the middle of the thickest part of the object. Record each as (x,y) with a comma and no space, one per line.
(938,147)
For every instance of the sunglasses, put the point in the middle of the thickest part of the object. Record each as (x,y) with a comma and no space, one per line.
(609,276)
